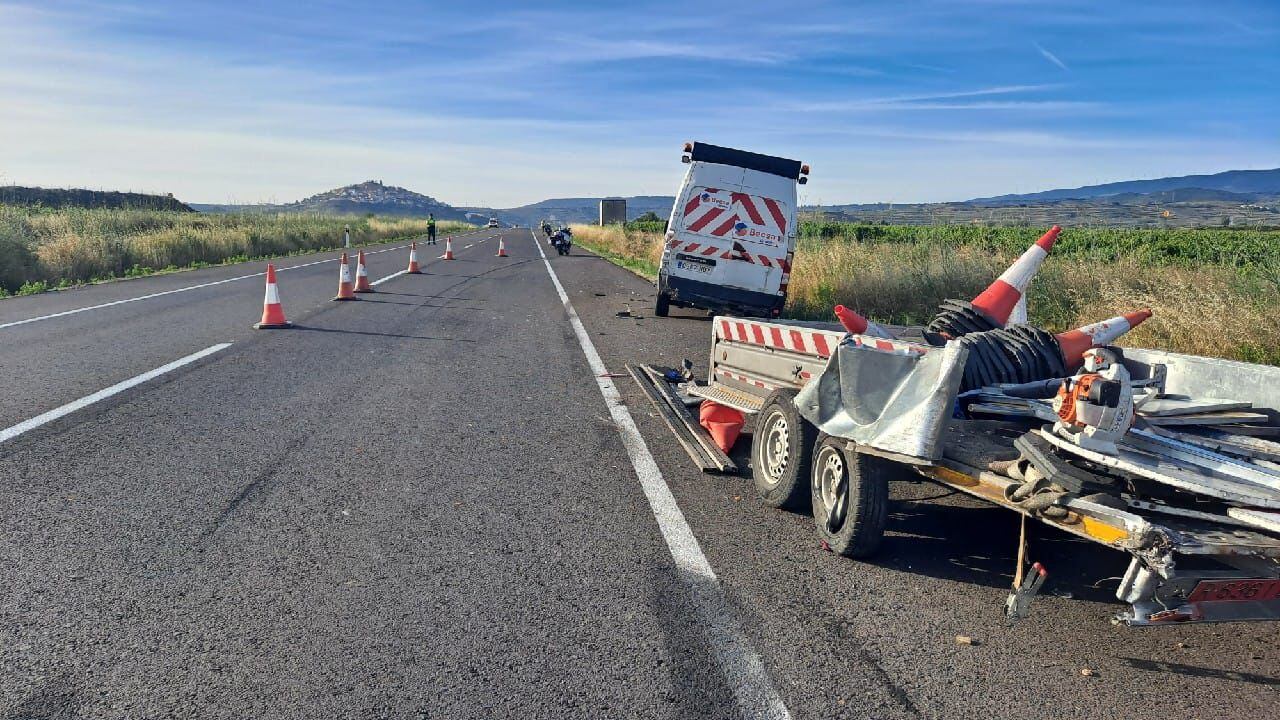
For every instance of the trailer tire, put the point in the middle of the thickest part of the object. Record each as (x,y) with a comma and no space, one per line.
(850,496)
(781,448)
(662,305)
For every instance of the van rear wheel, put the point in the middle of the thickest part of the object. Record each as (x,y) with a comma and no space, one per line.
(662,305)
(850,492)
(781,447)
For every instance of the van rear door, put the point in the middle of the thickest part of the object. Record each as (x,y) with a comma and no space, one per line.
(731,235)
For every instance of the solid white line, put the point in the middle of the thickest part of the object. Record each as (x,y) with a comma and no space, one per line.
(12,432)
(739,664)
(378,282)
(100,306)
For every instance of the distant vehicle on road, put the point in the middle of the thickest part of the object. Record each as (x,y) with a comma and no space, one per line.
(493,222)
(731,236)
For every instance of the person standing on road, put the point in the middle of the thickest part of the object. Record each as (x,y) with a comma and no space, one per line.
(431,228)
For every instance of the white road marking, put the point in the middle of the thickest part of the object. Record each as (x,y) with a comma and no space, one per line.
(739,664)
(12,432)
(113,303)
(378,282)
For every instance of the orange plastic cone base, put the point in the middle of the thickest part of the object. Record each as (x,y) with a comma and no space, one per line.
(723,423)
(852,321)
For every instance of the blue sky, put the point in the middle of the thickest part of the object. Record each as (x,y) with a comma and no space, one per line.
(502,104)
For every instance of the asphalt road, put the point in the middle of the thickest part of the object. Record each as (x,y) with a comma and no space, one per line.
(420,505)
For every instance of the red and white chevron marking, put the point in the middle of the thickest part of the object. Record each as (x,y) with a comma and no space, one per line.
(707,250)
(735,215)
(804,340)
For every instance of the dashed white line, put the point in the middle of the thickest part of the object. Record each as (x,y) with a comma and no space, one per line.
(14,431)
(379,281)
(739,664)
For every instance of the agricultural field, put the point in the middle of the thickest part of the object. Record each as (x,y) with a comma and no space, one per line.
(44,248)
(1212,291)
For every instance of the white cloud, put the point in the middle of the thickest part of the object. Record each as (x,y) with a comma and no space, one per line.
(1051,57)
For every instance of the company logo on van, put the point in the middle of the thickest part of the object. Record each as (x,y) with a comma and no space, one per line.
(740,229)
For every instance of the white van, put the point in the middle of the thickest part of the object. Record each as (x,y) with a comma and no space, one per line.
(732,233)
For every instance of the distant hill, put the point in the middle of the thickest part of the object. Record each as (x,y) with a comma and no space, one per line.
(579,210)
(1251,183)
(57,198)
(374,197)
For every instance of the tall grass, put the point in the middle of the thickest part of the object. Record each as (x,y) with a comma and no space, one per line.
(1213,292)
(41,246)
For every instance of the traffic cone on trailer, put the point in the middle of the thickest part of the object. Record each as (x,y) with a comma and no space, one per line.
(858,325)
(448,248)
(345,285)
(502,248)
(1074,343)
(413,260)
(998,301)
(272,311)
(362,275)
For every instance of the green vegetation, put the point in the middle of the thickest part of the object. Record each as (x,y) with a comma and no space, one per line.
(43,248)
(1213,291)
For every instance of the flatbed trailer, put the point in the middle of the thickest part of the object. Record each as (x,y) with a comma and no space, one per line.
(758,367)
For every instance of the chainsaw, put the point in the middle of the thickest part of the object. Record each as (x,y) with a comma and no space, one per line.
(1095,407)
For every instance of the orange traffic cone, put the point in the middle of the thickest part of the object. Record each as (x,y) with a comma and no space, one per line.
(362,275)
(502,248)
(1000,298)
(722,422)
(858,325)
(272,310)
(448,248)
(413,260)
(1074,343)
(345,285)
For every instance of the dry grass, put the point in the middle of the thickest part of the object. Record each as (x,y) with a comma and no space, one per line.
(639,252)
(57,247)
(1200,308)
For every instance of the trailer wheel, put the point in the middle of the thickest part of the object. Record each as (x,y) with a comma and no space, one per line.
(850,494)
(662,305)
(781,447)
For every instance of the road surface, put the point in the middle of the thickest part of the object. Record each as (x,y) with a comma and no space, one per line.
(428,504)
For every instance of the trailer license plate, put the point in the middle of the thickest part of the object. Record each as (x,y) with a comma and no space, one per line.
(1235,590)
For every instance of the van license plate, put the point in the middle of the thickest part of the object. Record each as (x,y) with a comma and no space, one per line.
(694,263)
(692,267)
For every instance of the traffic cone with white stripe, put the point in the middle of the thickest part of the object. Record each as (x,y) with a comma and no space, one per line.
(998,301)
(502,247)
(362,275)
(272,310)
(413,260)
(1074,343)
(448,248)
(346,286)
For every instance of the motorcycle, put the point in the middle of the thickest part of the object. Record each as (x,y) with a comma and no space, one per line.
(562,241)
